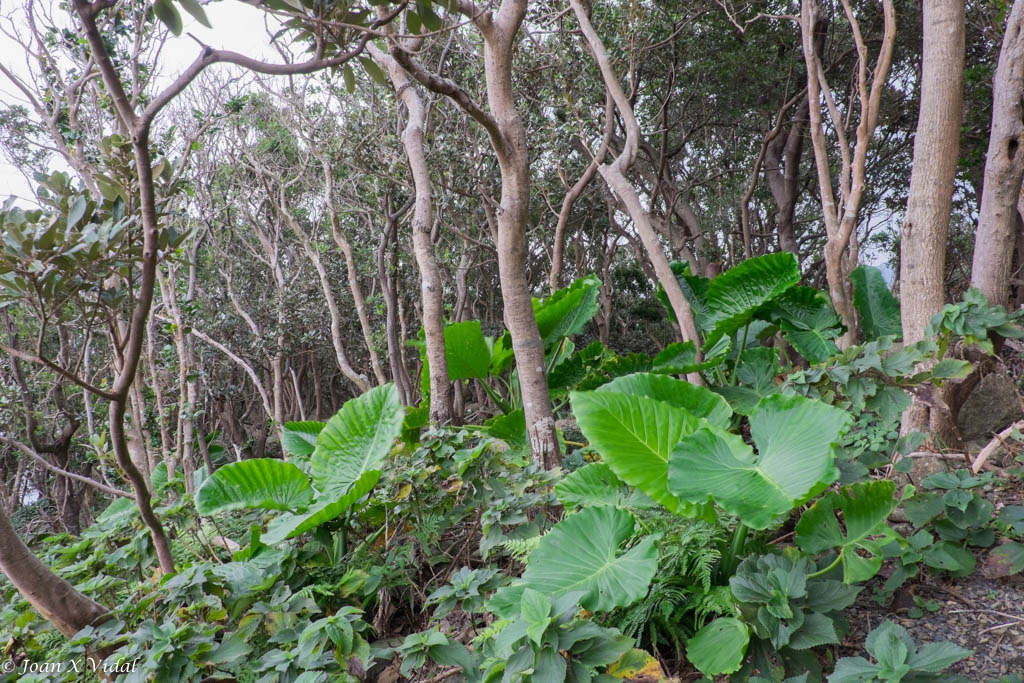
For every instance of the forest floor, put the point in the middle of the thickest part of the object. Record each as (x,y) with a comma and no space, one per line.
(978,612)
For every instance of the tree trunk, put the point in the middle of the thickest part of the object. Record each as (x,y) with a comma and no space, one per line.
(513,217)
(1004,168)
(614,175)
(54,598)
(929,203)
(841,216)
(936,149)
(441,398)
(387,264)
(508,138)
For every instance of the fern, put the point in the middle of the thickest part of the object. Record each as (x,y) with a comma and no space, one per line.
(490,632)
(520,548)
(716,602)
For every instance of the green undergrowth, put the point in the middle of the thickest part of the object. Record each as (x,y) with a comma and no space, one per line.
(716,531)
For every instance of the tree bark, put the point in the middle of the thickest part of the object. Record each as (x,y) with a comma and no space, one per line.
(1004,169)
(615,175)
(930,199)
(840,216)
(936,149)
(508,138)
(54,598)
(441,397)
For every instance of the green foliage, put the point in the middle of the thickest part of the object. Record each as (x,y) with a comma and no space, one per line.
(543,638)
(580,556)
(853,522)
(897,658)
(259,483)
(719,647)
(787,603)
(344,464)
(795,439)
(877,309)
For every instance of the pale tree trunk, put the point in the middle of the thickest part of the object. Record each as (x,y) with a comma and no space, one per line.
(930,199)
(936,149)
(352,273)
(54,598)
(341,357)
(508,138)
(441,396)
(615,175)
(1004,168)
(841,216)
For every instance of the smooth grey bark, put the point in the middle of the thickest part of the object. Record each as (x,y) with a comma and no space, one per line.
(1004,168)
(499,30)
(441,396)
(936,149)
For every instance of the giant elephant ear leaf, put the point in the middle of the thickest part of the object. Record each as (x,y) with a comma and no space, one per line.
(356,440)
(736,295)
(346,463)
(466,351)
(581,553)
(635,435)
(795,437)
(299,438)
(698,401)
(809,322)
(564,313)
(877,308)
(258,483)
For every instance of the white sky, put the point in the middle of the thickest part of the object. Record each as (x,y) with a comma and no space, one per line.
(236,26)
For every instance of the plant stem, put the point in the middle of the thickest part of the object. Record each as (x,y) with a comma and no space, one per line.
(731,561)
(739,353)
(826,570)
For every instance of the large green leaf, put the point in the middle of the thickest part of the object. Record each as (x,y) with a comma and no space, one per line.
(466,351)
(719,647)
(564,313)
(877,308)
(595,485)
(809,322)
(258,483)
(291,525)
(299,438)
(865,507)
(680,358)
(581,554)
(699,401)
(635,435)
(736,295)
(795,437)
(355,441)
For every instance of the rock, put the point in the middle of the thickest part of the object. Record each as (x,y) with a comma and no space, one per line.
(993,405)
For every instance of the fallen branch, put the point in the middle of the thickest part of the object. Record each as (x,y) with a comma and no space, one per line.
(992,446)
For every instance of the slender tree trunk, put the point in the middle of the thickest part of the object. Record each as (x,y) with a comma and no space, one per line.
(423,248)
(615,175)
(1004,168)
(387,264)
(929,203)
(936,149)
(841,216)
(508,138)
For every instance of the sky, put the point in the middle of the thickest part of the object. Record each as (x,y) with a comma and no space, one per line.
(236,26)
